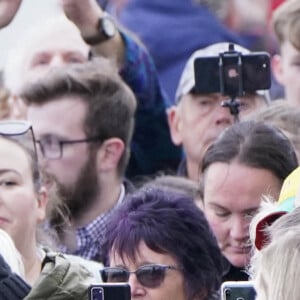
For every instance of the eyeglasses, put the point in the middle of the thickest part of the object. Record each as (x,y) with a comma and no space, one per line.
(52,147)
(150,276)
(21,131)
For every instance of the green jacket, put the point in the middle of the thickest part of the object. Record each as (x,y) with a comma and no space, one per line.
(61,279)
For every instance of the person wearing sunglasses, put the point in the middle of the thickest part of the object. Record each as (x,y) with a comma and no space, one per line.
(161,244)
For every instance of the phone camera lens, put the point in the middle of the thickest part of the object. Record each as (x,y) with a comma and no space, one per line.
(227,293)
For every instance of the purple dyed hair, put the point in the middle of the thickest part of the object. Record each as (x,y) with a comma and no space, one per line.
(168,222)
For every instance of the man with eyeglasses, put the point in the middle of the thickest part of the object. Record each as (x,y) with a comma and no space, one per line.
(197,119)
(92,32)
(83,117)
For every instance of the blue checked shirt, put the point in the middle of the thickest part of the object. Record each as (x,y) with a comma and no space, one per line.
(90,237)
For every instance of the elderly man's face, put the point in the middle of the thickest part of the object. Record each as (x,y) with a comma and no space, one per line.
(52,49)
(199,119)
(57,49)
(8,9)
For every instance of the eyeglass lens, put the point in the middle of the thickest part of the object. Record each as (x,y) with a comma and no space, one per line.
(50,146)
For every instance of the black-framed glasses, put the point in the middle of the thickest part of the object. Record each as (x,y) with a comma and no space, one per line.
(150,276)
(20,131)
(51,146)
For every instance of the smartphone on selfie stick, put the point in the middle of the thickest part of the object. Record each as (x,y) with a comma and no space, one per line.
(232,74)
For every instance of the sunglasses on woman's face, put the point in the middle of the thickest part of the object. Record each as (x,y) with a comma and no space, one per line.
(150,276)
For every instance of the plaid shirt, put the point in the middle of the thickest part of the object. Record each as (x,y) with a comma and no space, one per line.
(90,237)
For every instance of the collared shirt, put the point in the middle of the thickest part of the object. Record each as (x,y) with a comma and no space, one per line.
(90,237)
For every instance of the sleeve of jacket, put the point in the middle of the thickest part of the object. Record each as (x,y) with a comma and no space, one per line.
(152,148)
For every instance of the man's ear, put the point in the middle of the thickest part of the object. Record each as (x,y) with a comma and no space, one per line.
(174,122)
(109,154)
(276,63)
(42,198)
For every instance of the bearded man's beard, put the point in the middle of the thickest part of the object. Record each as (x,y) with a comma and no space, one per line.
(82,194)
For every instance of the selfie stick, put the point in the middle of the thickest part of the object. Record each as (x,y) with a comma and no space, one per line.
(233,104)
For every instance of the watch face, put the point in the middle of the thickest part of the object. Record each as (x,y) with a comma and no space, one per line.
(108,26)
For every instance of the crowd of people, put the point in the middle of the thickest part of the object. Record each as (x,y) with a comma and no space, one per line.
(116,167)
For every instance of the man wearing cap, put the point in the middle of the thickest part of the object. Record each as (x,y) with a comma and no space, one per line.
(197,119)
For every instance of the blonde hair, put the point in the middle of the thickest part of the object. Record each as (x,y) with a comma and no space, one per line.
(4,104)
(286,23)
(283,116)
(276,267)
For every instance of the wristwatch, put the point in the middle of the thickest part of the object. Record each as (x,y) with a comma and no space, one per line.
(106,29)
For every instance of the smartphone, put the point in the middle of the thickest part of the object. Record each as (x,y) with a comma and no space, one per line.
(109,291)
(237,290)
(232,74)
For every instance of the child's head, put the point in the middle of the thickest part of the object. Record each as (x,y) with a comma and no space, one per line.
(286,23)
(286,66)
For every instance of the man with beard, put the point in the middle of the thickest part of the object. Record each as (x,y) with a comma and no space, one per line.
(57,41)
(83,117)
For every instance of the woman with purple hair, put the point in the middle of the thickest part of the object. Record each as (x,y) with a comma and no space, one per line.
(161,244)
